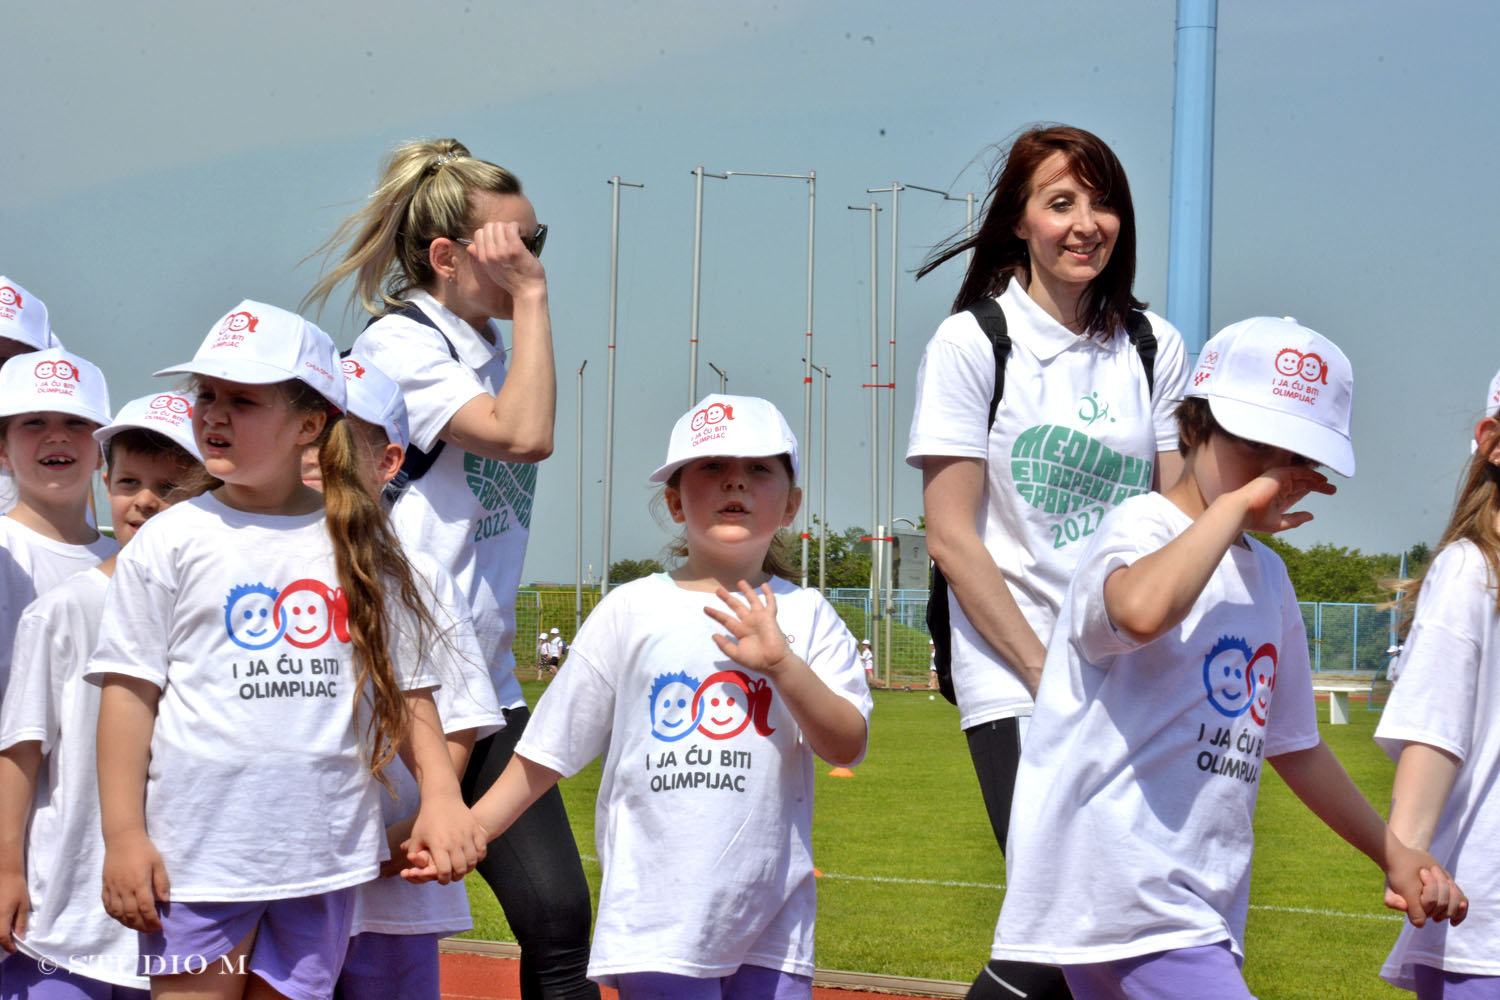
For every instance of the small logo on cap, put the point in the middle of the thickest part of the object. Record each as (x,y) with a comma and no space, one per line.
(232,331)
(175,405)
(705,421)
(352,368)
(1205,367)
(64,371)
(1309,366)
(10,297)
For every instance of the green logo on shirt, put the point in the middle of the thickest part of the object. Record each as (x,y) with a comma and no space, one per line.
(496,484)
(1060,470)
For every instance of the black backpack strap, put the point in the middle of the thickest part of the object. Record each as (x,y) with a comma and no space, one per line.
(1139,328)
(417,461)
(991,319)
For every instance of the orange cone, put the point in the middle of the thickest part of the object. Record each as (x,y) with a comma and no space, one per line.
(841,772)
(817,874)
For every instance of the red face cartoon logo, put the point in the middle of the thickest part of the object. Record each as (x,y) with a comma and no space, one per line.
(728,701)
(1262,671)
(352,368)
(240,322)
(172,404)
(64,370)
(310,610)
(1313,369)
(1309,367)
(712,414)
(10,297)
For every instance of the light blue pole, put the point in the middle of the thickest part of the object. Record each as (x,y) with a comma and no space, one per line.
(1190,241)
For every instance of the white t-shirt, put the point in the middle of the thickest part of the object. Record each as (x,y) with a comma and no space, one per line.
(1447,696)
(32,564)
(258,786)
(466,700)
(472,514)
(1136,790)
(1075,434)
(49,701)
(705,804)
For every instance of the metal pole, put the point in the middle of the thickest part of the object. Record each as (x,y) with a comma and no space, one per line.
(890,431)
(872,622)
(823,487)
(723,378)
(1191,239)
(811,178)
(698,174)
(578,547)
(609,396)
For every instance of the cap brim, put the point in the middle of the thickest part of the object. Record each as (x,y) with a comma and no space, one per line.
(244,370)
(1282,430)
(72,409)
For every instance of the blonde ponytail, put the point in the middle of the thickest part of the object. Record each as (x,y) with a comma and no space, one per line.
(424,193)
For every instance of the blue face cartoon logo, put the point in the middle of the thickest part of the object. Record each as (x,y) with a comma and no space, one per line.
(1226,675)
(248,616)
(672,706)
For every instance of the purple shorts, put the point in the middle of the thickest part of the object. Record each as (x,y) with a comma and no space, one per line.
(748,982)
(380,966)
(299,943)
(1439,984)
(1181,974)
(24,978)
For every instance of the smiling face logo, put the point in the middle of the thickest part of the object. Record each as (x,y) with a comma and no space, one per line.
(1313,369)
(248,616)
(723,705)
(172,404)
(1262,670)
(65,371)
(240,322)
(352,368)
(10,297)
(1288,361)
(309,611)
(1226,675)
(674,710)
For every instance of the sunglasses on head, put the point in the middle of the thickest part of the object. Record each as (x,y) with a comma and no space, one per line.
(534,242)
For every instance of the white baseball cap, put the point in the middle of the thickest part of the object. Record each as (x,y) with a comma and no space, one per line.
(542,635)
(556,632)
(258,344)
(1277,382)
(56,381)
(373,397)
(1492,401)
(169,414)
(734,426)
(23,317)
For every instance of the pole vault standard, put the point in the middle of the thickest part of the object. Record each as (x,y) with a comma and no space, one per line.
(609,405)
(578,537)
(873,619)
(698,175)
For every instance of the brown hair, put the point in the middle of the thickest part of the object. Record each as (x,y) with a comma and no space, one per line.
(372,568)
(1195,424)
(1476,517)
(147,443)
(424,193)
(778,559)
(999,254)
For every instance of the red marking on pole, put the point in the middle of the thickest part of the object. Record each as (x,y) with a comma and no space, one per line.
(878,385)
(806,380)
(806,535)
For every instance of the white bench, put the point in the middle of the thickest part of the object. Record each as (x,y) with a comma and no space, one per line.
(1338,699)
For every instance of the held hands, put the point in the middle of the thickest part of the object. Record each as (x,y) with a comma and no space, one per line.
(758,642)
(1270,496)
(446,842)
(1418,886)
(134,879)
(15,906)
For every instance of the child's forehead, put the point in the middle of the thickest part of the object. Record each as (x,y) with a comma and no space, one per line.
(49,416)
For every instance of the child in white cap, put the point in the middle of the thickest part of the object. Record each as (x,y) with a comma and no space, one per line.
(705,804)
(1440,725)
(1179,664)
(393,948)
(24,327)
(51,402)
(263,649)
(51,850)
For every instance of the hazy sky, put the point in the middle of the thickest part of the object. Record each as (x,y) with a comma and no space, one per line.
(162,161)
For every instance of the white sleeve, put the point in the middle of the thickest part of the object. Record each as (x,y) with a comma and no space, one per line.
(434,385)
(30,709)
(573,719)
(955,381)
(133,629)
(1170,375)
(1433,701)
(465,698)
(1293,721)
(1123,537)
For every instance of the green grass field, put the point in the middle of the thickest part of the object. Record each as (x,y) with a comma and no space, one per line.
(912,876)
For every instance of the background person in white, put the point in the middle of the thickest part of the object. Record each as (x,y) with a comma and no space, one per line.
(1442,727)
(1057,247)
(454,238)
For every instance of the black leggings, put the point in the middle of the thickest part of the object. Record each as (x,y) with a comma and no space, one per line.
(535,872)
(996,750)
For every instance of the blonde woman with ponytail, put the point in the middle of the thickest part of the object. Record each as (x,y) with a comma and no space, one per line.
(445,251)
(261,660)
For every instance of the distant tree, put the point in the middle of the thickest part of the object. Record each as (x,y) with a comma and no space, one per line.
(632,569)
(1333,573)
(848,557)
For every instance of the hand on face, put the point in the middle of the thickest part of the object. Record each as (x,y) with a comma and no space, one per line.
(1270,496)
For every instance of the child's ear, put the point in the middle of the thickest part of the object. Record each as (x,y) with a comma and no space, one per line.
(1484,431)
(311,426)
(673,499)
(793,504)
(390,462)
